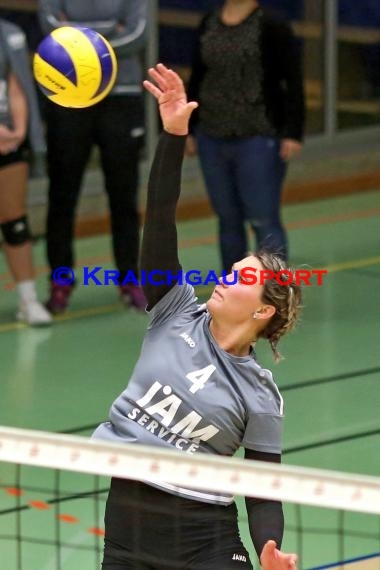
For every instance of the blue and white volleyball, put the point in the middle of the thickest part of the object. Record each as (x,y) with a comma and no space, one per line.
(75,67)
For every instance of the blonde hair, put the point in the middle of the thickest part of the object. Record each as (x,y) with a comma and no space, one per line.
(285,298)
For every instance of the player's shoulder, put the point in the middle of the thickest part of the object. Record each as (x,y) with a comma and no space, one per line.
(200,308)
(260,380)
(180,302)
(270,389)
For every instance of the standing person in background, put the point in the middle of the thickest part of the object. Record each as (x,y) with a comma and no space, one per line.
(115,125)
(246,75)
(21,137)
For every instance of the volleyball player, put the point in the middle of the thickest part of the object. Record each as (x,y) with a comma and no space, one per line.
(21,144)
(196,387)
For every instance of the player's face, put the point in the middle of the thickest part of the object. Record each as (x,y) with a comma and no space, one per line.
(238,302)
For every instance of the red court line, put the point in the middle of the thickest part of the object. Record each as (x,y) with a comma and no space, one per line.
(43,506)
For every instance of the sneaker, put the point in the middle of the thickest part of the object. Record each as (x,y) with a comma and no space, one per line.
(133,296)
(33,313)
(59,298)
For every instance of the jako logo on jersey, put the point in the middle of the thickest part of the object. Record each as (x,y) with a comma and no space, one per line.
(187,338)
(239,557)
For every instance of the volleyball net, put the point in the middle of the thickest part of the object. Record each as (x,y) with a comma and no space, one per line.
(53,489)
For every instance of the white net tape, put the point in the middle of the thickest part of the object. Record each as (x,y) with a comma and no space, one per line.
(300,485)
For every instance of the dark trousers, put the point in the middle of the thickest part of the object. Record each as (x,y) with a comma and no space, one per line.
(148,529)
(116,126)
(244,179)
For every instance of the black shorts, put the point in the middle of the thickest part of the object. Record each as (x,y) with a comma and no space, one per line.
(148,529)
(21,154)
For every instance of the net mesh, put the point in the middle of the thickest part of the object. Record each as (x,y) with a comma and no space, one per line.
(54,488)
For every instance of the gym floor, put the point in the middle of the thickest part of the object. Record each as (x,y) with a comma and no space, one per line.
(64,378)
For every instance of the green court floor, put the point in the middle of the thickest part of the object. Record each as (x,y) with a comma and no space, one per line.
(65,378)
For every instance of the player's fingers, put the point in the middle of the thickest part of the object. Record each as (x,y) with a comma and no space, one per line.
(271,545)
(191,106)
(172,79)
(149,86)
(162,68)
(268,550)
(165,72)
(175,80)
(158,78)
(292,563)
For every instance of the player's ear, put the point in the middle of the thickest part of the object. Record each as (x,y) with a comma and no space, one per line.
(264,312)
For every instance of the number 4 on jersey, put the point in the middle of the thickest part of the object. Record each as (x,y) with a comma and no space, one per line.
(198,378)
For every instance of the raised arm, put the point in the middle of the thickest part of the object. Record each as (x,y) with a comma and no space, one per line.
(159,246)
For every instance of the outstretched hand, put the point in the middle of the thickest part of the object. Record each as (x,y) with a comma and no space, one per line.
(273,559)
(170,93)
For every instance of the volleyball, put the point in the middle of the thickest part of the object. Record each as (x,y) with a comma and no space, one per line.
(75,67)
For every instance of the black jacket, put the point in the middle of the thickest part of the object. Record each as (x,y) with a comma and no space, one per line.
(283,80)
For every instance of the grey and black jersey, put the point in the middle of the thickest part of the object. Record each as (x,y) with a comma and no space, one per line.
(187,393)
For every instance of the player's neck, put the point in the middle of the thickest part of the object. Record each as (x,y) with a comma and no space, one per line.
(234,339)
(236,11)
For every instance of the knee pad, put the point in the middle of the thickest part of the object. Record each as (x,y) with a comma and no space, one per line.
(16,232)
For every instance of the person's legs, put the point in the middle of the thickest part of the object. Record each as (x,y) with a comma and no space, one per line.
(69,141)
(17,244)
(260,173)
(216,163)
(13,190)
(120,135)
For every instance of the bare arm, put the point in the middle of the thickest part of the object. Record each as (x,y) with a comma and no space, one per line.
(11,138)
(19,107)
